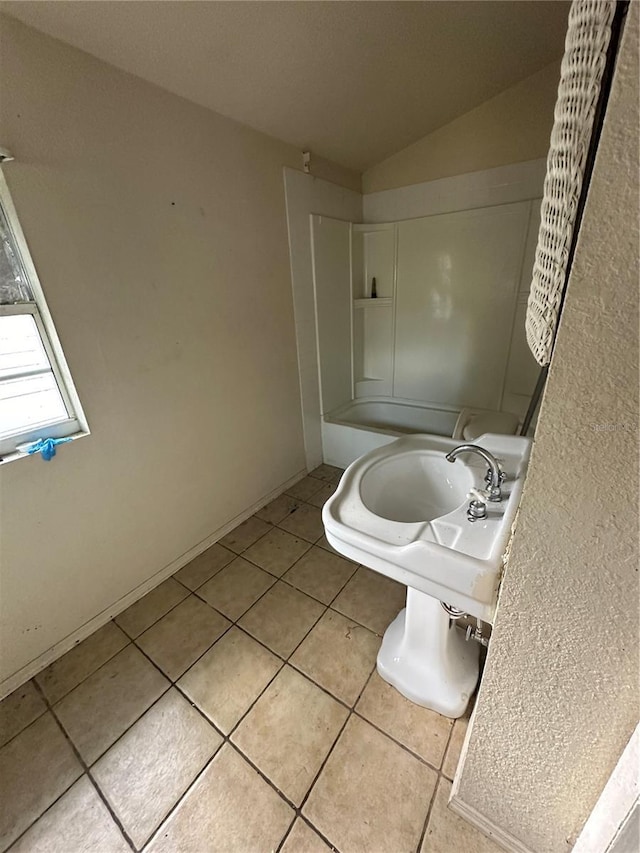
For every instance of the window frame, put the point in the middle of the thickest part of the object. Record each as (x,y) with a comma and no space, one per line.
(75,425)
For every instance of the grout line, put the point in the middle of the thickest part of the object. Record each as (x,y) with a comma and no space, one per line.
(326,759)
(133,641)
(228,742)
(244,630)
(288,569)
(262,775)
(129,727)
(289,494)
(428,815)
(399,743)
(313,828)
(227,738)
(229,618)
(48,808)
(152,624)
(87,771)
(287,834)
(181,799)
(171,683)
(448,744)
(77,645)
(29,724)
(206,580)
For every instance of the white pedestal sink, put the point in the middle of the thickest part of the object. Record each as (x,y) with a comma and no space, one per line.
(427,659)
(402,510)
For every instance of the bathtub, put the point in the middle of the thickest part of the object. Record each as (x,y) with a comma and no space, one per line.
(370,422)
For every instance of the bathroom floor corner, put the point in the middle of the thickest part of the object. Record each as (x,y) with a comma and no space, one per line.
(236,707)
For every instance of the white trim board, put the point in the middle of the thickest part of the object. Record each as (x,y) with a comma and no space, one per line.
(612,826)
(305,195)
(496,833)
(502,185)
(616,811)
(56,651)
(486,827)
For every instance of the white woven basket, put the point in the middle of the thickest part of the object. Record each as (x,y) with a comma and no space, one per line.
(583,64)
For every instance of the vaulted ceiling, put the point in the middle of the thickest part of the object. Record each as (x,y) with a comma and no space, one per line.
(353,81)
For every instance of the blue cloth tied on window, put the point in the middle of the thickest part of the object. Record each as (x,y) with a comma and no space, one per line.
(46,447)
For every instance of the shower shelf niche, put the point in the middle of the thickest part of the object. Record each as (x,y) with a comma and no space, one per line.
(373,302)
(373,256)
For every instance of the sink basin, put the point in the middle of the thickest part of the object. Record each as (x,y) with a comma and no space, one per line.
(401,510)
(414,485)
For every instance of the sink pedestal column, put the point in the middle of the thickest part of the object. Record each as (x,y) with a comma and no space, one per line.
(426,658)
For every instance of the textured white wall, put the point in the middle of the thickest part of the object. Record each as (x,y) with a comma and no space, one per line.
(559,698)
(158,229)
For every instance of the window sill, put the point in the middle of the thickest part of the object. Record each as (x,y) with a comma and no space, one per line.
(20,453)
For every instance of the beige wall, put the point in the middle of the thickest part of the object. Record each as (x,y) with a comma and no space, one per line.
(559,697)
(512,127)
(159,233)
(334,173)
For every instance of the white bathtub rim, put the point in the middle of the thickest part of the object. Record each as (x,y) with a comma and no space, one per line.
(400,402)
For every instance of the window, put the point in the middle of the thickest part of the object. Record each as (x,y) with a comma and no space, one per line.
(37,397)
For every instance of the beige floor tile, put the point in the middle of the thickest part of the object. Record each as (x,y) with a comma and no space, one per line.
(236,587)
(371,599)
(153,606)
(419,729)
(339,655)
(35,768)
(78,663)
(302,839)
(230,808)
(104,706)
(322,496)
(371,789)
(289,732)
(305,522)
(180,637)
(281,618)
(78,823)
(204,566)
(229,677)
(450,763)
(446,831)
(277,551)
(18,710)
(146,772)
(328,473)
(245,534)
(280,507)
(305,488)
(320,574)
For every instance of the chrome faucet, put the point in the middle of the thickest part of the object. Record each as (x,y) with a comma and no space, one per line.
(495,477)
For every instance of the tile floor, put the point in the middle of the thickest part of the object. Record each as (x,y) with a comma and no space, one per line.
(235,707)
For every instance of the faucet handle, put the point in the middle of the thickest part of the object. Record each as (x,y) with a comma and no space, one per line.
(488,477)
(477,509)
